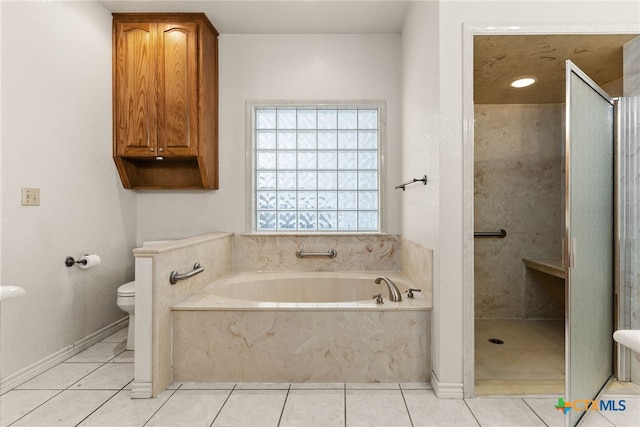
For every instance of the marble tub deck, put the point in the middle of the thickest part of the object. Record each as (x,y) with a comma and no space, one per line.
(208,299)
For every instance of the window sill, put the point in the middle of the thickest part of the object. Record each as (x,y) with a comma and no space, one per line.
(316,234)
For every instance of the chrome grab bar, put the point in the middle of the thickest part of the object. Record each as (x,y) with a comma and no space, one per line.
(175,276)
(500,233)
(331,253)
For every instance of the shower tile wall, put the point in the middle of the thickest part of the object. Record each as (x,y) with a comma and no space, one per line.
(631,196)
(518,187)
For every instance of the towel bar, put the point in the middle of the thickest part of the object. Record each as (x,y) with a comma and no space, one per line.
(403,185)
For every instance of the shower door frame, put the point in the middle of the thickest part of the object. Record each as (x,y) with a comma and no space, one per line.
(579,313)
(469,31)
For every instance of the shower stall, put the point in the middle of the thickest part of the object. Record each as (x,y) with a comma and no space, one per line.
(565,189)
(519,304)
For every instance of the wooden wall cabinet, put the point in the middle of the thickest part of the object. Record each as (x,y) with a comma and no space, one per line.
(165,100)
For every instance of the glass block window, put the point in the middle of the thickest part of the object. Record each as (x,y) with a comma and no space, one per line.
(316,169)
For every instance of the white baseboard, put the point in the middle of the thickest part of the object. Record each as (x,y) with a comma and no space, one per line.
(141,390)
(446,390)
(50,361)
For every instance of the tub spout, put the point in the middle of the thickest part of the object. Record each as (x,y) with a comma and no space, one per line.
(394,292)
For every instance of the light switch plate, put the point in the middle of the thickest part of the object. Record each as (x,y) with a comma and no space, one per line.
(30,196)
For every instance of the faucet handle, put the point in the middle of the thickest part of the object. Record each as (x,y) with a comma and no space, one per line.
(378,299)
(411,291)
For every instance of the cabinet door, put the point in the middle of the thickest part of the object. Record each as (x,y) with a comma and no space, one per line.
(177,89)
(135,90)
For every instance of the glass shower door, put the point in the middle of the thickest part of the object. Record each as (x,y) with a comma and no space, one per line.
(589,240)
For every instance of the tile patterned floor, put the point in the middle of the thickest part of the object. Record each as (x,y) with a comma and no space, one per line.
(92,389)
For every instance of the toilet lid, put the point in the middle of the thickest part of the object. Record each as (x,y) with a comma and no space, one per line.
(128,289)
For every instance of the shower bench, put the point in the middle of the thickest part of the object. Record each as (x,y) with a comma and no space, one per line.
(552,266)
(544,288)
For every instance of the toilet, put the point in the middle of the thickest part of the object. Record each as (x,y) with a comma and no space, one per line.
(127,302)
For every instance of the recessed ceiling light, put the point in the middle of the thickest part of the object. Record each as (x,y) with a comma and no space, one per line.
(523,82)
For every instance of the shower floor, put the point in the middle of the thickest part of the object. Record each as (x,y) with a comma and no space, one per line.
(529,361)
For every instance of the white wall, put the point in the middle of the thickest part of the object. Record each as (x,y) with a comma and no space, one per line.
(420,138)
(56,135)
(420,125)
(281,67)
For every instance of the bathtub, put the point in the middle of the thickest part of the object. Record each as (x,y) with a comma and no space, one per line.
(302,327)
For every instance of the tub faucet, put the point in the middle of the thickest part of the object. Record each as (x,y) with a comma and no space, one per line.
(394,292)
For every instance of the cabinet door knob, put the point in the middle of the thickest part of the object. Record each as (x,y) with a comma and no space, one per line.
(161,150)
(151,149)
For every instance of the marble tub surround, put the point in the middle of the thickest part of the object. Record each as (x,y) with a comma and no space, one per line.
(155,296)
(518,188)
(416,264)
(187,332)
(302,346)
(302,327)
(362,252)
